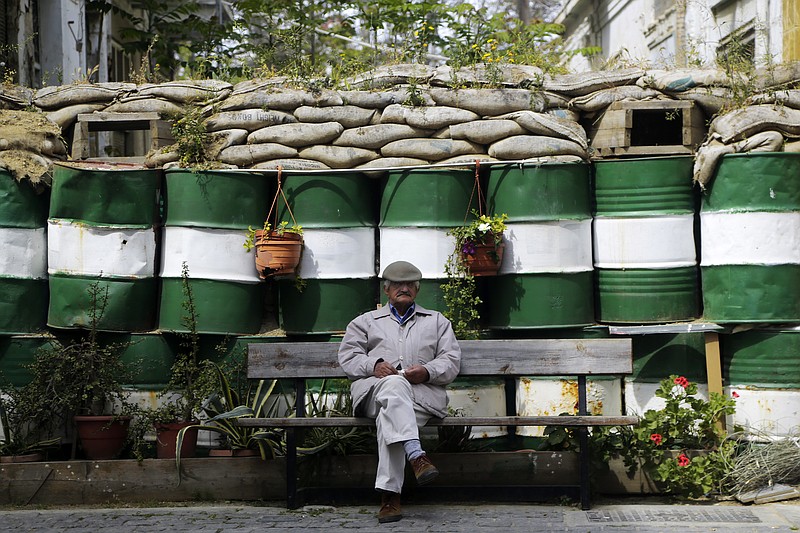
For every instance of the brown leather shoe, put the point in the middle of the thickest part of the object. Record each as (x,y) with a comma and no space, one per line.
(424,470)
(390,508)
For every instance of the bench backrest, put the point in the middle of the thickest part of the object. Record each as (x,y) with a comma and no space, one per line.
(517,357)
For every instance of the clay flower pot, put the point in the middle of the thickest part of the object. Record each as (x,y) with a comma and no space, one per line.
(102,437)
(277,254)
(167,437)
(483,258)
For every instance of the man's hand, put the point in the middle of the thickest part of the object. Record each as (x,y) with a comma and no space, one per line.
(417,374)
(383,369)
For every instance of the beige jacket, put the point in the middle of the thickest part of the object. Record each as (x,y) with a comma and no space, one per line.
(425,339)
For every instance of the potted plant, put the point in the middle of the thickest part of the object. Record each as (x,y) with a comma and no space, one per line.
(277,249)
(680,449)
(189,384)
(21,439)
(479,245)
(225,406)
(80,385)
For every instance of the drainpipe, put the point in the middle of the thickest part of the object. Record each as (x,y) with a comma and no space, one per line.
(680,34)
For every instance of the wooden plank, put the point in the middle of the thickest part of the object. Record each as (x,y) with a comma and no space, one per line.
(523,357)
(117,117)
(664,105)
(713,365)
(675,149)
(80,141)
(349,421)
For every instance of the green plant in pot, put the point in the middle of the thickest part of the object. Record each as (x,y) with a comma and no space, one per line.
(227,405)
(189,384)
(22,440)
(682,447)
(79,384)
(478,251)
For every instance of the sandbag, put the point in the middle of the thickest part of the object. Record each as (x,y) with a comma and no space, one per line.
(248,119)
(187,91)
(432,118)
(467,160)
(246,155)
(391,162)
(550,126)
(530,146)
(159,158)
(523,76)
(391,75)
(588,82)
(784,75)
(15,97)
(683,79)
(785,97)
(429,149)
(291,164)
(489,102)
(281,99)
(58,96)
(69,115)
(711,152)
(24,165)
(554,100)
(745,122)
(146,104)
(486,131)
(710,99)
(217,141)
(338,156)
(348,116)
(379,100)
(605,97)
(297,134)
(374,137)
(566,114)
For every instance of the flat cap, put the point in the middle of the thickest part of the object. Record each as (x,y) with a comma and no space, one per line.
(401,271)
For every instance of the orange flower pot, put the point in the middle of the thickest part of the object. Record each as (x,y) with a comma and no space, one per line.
(276,254)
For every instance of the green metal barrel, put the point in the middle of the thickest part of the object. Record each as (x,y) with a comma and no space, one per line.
(645,254)
(204,261)
(23,260)
(17,352)
(417,208)
(545,279)
(101,239)
(337,211)
(761,369)
(750,231)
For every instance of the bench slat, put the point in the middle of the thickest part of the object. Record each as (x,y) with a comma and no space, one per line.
(514,357)
(345,421)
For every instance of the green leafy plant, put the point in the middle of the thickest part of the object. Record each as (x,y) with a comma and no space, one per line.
(225,406)
(19,435)
(282,228)
(191,138)
(681,446)
(460,290)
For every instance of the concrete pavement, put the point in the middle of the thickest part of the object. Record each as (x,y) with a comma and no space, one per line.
(456,518)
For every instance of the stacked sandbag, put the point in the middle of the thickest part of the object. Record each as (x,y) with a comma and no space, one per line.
(29,142)
(769,123)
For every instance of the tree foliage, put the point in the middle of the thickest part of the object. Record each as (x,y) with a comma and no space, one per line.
(325,39)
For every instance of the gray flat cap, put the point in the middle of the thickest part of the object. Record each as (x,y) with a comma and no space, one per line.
(402,271)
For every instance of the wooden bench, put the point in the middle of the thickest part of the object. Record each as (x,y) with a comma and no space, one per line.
(509,359)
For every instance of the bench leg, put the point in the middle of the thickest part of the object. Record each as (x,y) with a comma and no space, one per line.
(291,469)
(583,435)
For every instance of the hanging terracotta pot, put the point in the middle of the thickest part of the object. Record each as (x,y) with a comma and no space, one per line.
(277,254)
(483,258)
(167,437)
(102,437)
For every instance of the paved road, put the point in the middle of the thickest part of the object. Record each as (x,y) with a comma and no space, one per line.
(440,518)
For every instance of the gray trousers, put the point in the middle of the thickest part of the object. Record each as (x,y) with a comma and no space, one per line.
(398,419)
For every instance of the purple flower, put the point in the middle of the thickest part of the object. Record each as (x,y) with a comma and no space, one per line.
(468,248)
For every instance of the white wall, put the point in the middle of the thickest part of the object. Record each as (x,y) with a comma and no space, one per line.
(60,55)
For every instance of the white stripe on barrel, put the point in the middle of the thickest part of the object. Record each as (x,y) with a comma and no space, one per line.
(24,253)
(106,251)
(559,246)
(645,242)
(758,238)
(214,254)
(338,253)
(426,248)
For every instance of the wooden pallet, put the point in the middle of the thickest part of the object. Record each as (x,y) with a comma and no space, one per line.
(159,129)
(657,127)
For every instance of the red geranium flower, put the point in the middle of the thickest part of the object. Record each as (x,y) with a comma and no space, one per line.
(682,381)
(735,394)
(656,438)
(683,460)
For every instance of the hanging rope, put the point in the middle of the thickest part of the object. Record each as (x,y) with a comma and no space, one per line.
(280,193)
(476,187)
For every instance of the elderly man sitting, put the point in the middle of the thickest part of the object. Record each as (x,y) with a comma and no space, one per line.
(400,358)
